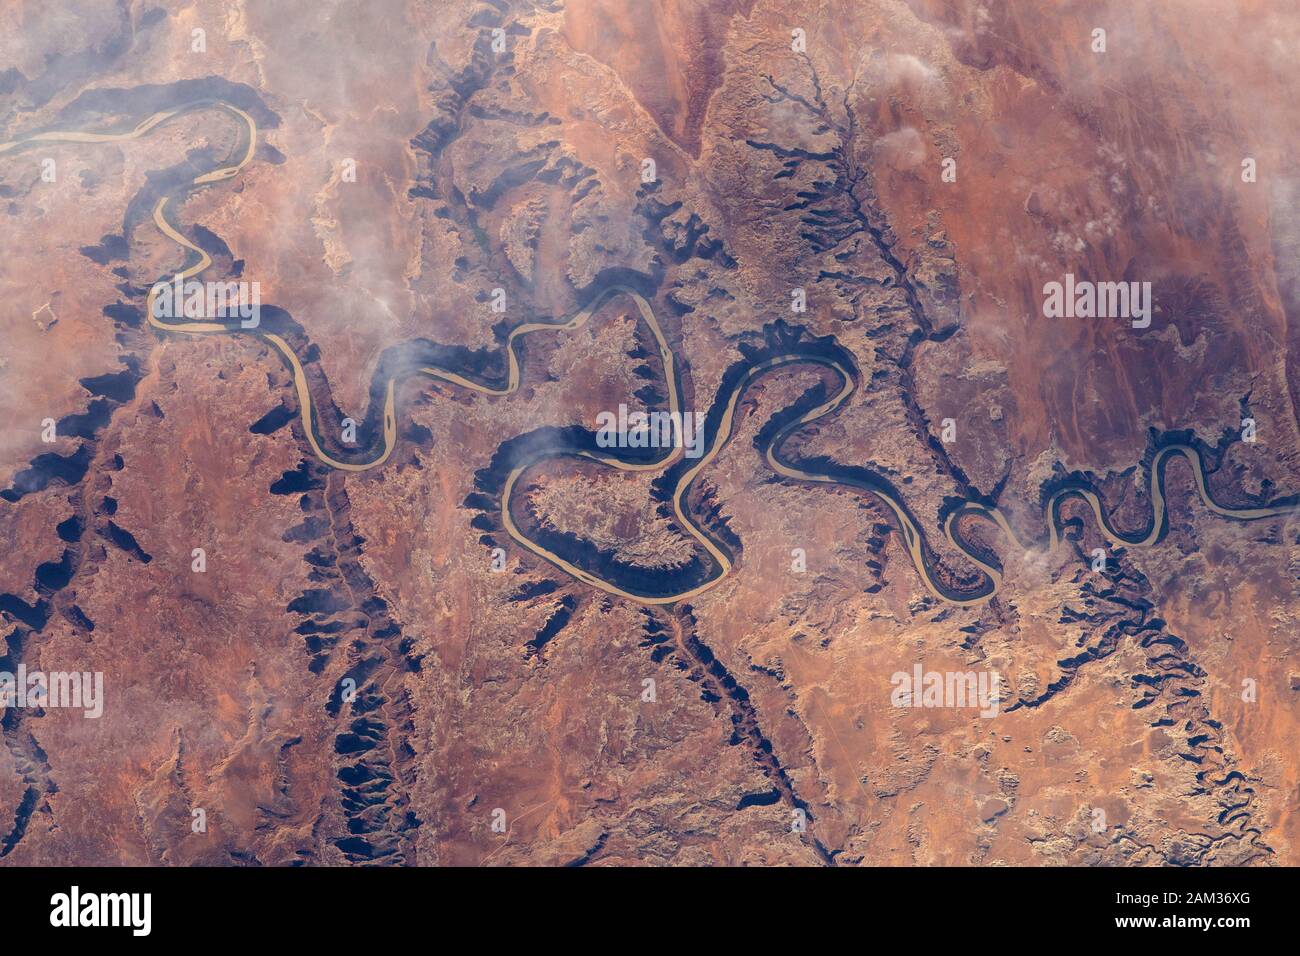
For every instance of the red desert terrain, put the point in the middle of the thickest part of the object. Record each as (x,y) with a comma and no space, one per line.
(947,578)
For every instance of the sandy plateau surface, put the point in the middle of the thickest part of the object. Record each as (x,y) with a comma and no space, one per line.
(369,669)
